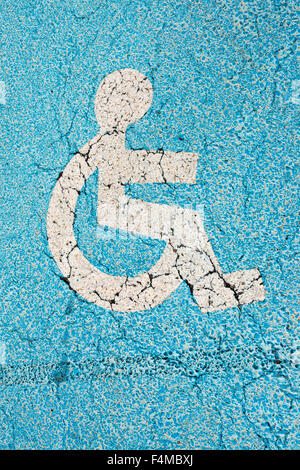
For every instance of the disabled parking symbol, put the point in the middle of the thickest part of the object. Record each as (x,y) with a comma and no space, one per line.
(123,97)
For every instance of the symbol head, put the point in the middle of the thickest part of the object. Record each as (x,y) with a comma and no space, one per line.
(123,97)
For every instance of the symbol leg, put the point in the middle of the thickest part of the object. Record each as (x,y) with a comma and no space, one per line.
(247,284)
(211,288)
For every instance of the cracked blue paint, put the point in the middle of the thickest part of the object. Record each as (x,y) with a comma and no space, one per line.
(225,78)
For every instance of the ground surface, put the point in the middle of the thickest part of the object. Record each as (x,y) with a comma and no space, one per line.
(76,376)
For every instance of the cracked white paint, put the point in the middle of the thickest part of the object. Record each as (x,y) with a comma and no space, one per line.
(124,97)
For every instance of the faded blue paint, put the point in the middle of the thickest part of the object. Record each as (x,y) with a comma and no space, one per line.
(77,376)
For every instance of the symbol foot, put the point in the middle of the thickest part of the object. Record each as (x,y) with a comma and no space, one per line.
(218,292)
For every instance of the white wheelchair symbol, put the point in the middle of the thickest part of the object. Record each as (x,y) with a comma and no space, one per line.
(124,97)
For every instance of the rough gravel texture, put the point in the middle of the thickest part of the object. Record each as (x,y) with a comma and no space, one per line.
(74,375)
